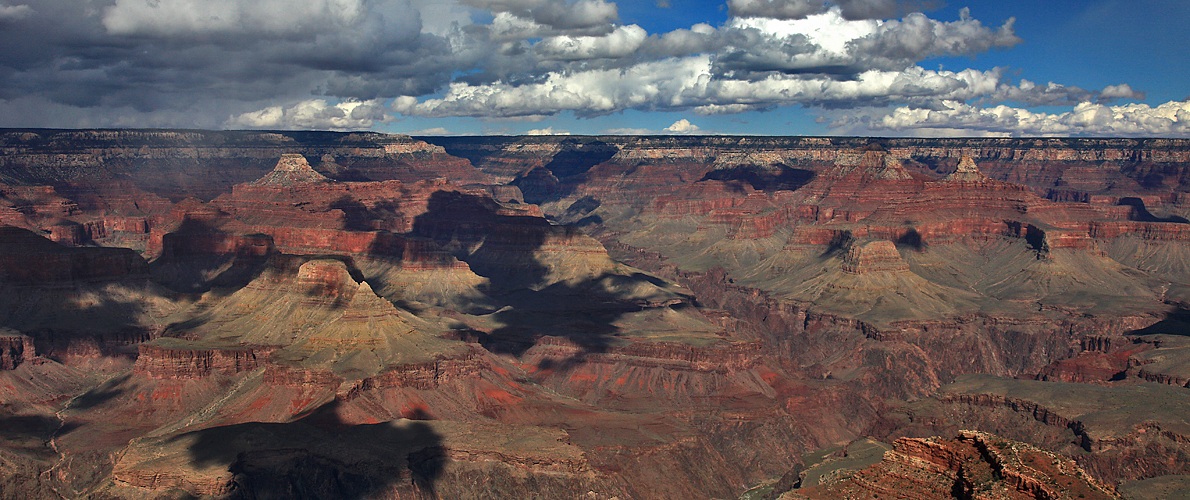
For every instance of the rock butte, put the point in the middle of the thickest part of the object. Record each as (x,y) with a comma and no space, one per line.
(356,315)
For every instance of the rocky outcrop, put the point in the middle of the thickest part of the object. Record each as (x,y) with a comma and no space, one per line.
(873,256)
(292,169)
(15,348)
(970,465)
(966,171)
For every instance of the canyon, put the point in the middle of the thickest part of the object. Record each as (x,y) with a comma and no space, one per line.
(235,314)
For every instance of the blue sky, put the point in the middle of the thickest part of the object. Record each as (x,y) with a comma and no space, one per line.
(778,67)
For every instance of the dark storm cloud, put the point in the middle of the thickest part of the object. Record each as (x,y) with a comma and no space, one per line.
(776,9)
(177,54)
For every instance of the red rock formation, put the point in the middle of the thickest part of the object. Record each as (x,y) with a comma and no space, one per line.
(970,465)
(1093,367)
(15,349)
(180,360)
(292,169)
(873,256)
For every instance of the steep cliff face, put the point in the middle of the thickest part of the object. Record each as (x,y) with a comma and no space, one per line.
(15,349)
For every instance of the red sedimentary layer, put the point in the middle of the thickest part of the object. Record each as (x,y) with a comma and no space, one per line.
(874,190)
(163,362)
(425,375)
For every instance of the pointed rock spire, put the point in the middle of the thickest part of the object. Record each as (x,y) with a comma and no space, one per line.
(292,169)
(967,171)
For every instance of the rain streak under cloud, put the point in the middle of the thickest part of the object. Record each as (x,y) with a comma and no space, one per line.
(857,66)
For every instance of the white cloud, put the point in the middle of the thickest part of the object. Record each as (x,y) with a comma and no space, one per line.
(1121,91)
(798,9)
(15,12)
(683,42)
(682,126)
(556,14)
(1169,119)
(619,43)
(686,83)
(315,114)
(829,42)
(546,131)
(1032,94)
(916,37)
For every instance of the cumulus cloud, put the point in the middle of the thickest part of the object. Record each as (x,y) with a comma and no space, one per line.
(1169,119)
(1121,91)
(829,43)
(314,114)
(916,37)
(1032,94)
(619,43)
(558,14)
(683,126)
(699,38)
(546,131)
(799,9)
(688,83)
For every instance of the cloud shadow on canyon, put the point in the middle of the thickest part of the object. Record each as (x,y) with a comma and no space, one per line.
(1175,322)
(531,301)
(321,455)
(780,178)
(1142,214)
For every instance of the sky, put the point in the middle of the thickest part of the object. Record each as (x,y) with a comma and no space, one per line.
(888,68)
